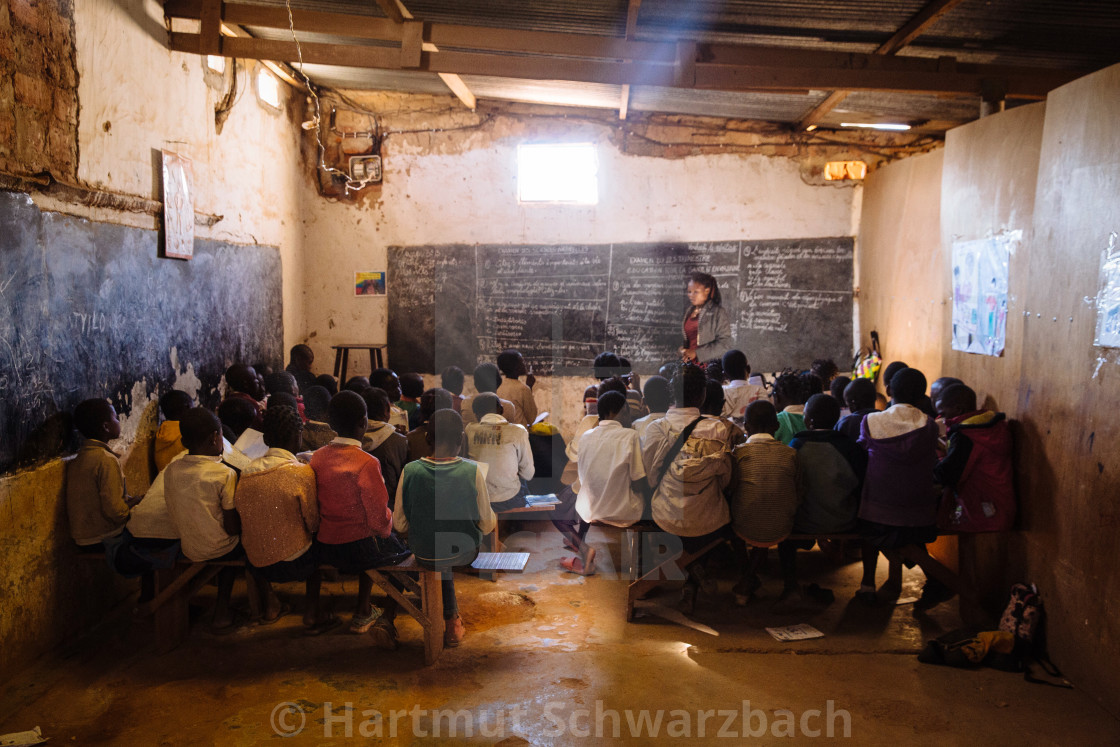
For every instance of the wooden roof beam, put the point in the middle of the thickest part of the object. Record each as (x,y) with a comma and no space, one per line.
(631,31)
(910,31)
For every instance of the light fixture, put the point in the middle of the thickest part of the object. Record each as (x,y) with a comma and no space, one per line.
(810,128)
(877,126)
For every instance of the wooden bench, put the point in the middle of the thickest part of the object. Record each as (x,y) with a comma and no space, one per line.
(175,586)
(642,583)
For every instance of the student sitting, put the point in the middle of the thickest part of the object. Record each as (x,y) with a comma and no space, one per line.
(764,496)
(512,366)
(443,506)
(243,383)
(384,378)
(355,526)
(935,390)
(238,416)
(283,382)
(152,537)
(168,442)
(611,478)
(738,393)
(504,448)
(789,400)
(486,381)
(412,389)
(830,470)
(825,370)
(687,459)
(279,511)
(199,491)
(658,395)
(96,502)
(452,379)
(976,473)
(633,382)
(356,384)
(836,391)
(421,440)
(317,432)
(329,383)
(860,398)
(382,440)
(300,360)
(899,503)
(714,406)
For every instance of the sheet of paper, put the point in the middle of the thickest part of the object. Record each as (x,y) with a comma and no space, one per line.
(800,632)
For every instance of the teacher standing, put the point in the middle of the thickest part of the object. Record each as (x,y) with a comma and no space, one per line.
(707,325)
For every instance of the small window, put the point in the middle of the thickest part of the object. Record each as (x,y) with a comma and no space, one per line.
(843,170)
(217,63)
(567,173)
(268,88)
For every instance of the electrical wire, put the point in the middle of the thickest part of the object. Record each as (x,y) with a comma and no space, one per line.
(352,185)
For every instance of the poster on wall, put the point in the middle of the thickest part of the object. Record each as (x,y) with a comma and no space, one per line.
(980,275)
(369,283)
(178,206)
(1108,297)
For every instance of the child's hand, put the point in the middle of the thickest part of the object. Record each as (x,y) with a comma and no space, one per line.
(530,380)
(132,500)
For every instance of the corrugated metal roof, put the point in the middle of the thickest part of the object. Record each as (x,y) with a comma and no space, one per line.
(1070,35)
(761,106)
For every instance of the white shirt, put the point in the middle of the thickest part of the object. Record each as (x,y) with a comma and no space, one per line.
(612,459)
(197,488)
(149,518)
(251,444)
(504,448)
(641,424)
(737,395)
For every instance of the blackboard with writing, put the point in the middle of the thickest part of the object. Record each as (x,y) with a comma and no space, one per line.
(790,302)
(89,309)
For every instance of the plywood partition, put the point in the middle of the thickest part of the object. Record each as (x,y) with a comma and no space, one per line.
(987,188)
(903,285)
(1070,389)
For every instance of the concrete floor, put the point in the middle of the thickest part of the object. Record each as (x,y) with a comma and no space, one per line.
(549,659)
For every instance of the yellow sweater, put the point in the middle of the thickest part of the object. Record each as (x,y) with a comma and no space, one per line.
(168,443)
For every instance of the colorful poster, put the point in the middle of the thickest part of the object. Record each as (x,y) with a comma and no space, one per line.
(369,283)
(980,274)
(178,207)
(1108,297)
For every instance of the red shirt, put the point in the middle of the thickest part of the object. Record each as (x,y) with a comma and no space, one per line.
(353,502)
(691,330)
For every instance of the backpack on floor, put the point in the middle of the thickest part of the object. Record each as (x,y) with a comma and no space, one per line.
(1023,618)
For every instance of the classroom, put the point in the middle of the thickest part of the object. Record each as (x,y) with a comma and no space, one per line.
(189,187)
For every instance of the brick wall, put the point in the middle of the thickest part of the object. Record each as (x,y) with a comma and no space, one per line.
(38,89)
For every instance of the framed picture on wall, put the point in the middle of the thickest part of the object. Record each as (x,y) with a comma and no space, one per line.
(178,206)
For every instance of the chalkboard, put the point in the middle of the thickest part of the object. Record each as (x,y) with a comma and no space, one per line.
(790,302)
(87,309)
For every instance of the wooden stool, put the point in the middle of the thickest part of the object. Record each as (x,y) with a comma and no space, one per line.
(342,359)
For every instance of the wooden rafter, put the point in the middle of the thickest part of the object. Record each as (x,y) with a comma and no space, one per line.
(910,31)
(631,32)
(412,35)
(596,59)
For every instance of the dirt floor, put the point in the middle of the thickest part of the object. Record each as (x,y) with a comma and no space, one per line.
(550,659)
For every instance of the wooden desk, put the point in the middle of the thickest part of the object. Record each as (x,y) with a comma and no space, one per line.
(342,359)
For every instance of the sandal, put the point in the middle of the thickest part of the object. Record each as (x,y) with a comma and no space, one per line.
(285,609)
(384,634)
(361,625)
(575,565)
(320,628)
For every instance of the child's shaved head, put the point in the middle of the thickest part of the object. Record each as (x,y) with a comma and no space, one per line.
(956,400)
(198,425)
(761,417)
(822,411)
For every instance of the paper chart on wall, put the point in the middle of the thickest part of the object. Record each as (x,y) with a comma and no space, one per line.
(980,281)
(1108,298)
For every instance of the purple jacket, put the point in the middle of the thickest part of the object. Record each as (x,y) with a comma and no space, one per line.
(898,489)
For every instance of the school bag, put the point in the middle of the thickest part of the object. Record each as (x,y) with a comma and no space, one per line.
(868,361)
(1023,618)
